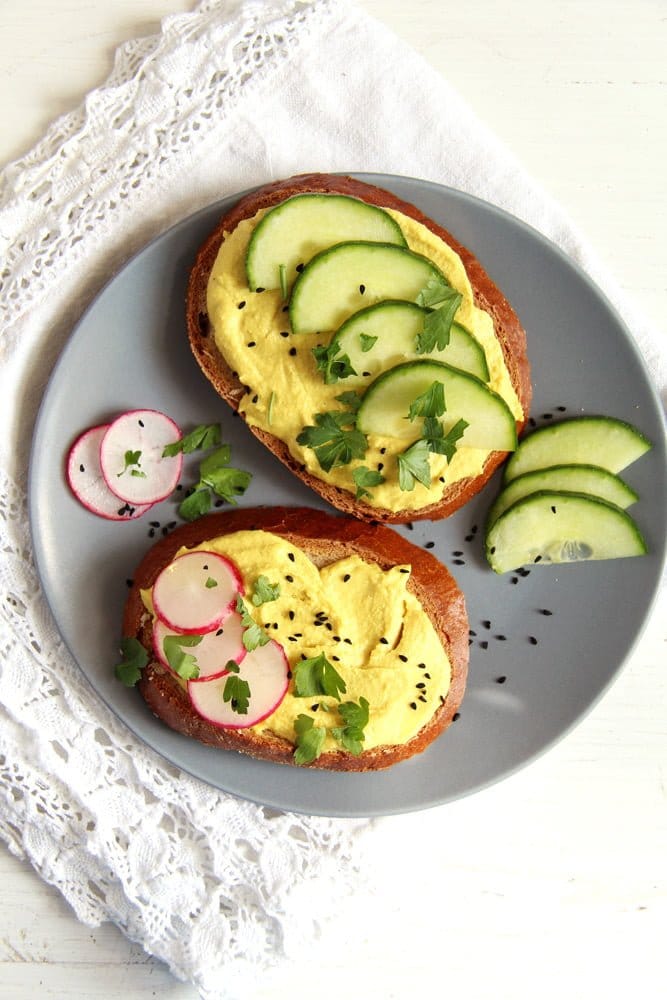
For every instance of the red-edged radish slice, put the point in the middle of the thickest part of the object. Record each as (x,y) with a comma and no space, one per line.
(84,475)
(214,651)
(196,591)
(265,669)
(131,456)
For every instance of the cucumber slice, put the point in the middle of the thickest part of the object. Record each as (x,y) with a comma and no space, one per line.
(383,335)
(342,279)
(386,403)
(294,231)
(603,441)
(590,479)
(560,527)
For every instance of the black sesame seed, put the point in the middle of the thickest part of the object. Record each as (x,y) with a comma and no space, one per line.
(531,422)
(314,707)
(336,638)
(561,409)
(469,538)
(284,333)
(421,686)
(251,343)
(317,624)
(486,624)
(385,642)
(492,549)
(275,625)
(151,533)
(484,644)
(427,676)
(154,524)
(500,638)
(291,615)
(129,582)
(501,680)
(537,559)
(290,579)
(422,666)
(328,626)
(441,479)
(410,526)
(300,267)
(366,374)
(291,638)
(459,562)
(348,641)
(292,352)
(336,658)
(362,289)
(471,631)
(457,553)
(422,697)
(430,545)
(260,290)
(255,398)
(346,578)
(380,466)
(545,611)
(290,556)
(220,631)
(404,571)
(141,423)
(456,716)
(241,305)
(383,451)
(413,705)
(402,658)
(547,416)
(532,640)
(82,468)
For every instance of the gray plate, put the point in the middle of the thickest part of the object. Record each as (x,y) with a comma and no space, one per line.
(130,350)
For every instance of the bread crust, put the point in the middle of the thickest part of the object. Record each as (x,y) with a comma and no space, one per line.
(487,296)
(324,538)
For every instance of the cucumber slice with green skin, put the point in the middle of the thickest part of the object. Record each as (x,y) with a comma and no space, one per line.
(589,479)
(344,278)
(395,327)
(560,527)
(386,404)
(603,441)
(295,230)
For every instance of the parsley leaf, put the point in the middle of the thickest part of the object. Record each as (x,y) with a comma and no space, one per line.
(265,591)
(309,739)
(182,663)
(331,440)
(351,400)
(210,583)
(366,342)
(217,476)
(237,692)
(413,466)
(438,441)
(132,458)
(430,403)
(253,634)
(135,658)
(363,478)
(355,718)
(332,363)
(203,436)
(317,676)
(196,504)
(435,291)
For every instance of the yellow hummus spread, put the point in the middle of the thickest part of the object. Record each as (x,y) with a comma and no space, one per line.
(285,389)
(364,619)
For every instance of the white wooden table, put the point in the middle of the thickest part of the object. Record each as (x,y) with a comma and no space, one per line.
(559,882)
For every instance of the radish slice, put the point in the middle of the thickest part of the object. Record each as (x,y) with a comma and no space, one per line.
(131,456)
(215,650)
(196,591)
(265,670)
(84,475)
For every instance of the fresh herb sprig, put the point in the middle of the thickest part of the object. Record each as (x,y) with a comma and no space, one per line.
(355,719)
(135,658)
(317,676)
(332,363)
(443,302)
(334,438)
(216,477)
(253,634)
(309,739)
(132,465)
(413,466)
(182,663)
(236,690)
(364,478)
(265,591)
(201,437)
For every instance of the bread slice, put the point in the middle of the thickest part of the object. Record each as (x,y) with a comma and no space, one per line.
(487,296)
(324,538)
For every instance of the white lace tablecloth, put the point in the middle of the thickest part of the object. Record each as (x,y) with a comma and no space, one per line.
(230,95)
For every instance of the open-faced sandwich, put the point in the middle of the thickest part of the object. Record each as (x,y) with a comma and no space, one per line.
(362,344)
(298,637)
